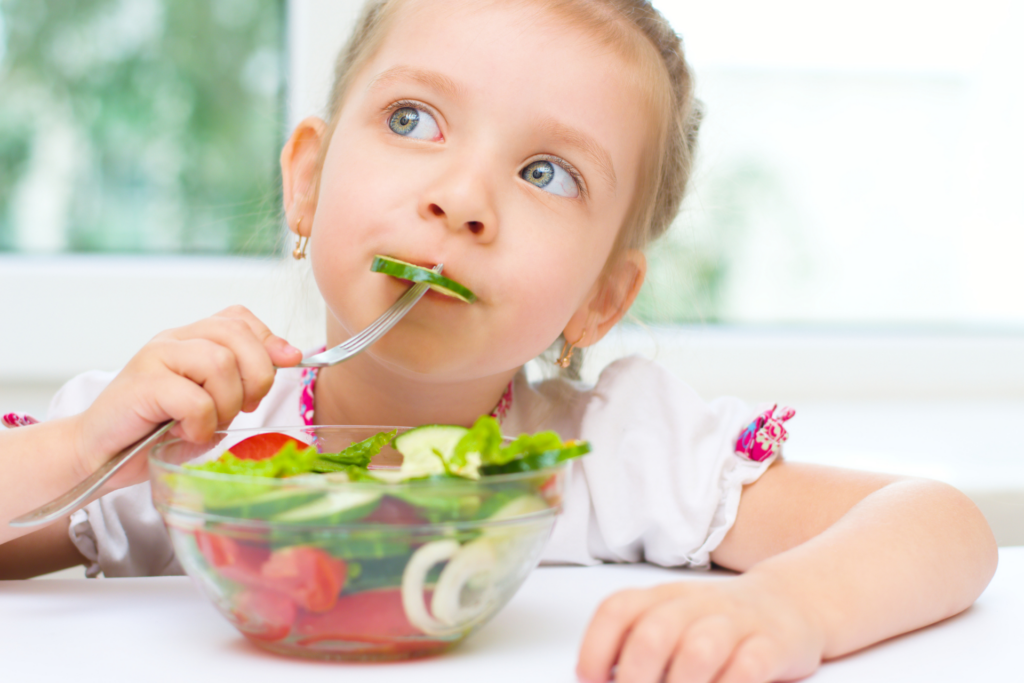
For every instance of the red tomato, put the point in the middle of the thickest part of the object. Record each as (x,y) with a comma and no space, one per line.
(236,561)
(309,576)
(263,615)
(262,446)
(375,616)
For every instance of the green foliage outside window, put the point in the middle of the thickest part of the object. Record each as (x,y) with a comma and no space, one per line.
(140,125)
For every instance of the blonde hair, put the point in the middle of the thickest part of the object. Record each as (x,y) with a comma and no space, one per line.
(663,181)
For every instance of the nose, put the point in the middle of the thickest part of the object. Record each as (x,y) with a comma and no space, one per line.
(462,201)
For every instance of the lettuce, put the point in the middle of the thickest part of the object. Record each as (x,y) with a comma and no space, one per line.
(526,453)
(288,462)
(291,460)
(358,454)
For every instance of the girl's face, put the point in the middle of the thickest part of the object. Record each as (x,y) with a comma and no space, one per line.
(499,140)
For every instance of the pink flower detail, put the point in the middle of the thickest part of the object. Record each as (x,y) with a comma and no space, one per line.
(306,399)
(764,437)
(504,404)
(12,420)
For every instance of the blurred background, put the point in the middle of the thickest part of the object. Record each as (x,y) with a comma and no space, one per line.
(853,241)
(858,165)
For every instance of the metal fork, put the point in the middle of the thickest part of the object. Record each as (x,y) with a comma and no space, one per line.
(69,501)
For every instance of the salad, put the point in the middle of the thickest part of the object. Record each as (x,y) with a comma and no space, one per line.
(309,549)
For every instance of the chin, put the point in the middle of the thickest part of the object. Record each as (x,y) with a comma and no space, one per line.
(421,360)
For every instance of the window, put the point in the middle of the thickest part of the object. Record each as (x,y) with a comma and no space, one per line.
(141,126)
(858,164)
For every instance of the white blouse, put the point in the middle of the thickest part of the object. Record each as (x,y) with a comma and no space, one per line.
(662,483)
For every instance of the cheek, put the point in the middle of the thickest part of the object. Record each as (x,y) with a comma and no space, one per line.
(356,208)
(350,190)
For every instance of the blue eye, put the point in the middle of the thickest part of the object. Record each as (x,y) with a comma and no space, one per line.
(414,123)
(550,177)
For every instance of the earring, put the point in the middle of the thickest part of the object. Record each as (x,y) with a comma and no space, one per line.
(299,252)
(567,350)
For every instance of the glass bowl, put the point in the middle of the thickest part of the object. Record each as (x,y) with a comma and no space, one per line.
(319,567)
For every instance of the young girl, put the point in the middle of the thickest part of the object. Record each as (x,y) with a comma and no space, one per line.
(532,147)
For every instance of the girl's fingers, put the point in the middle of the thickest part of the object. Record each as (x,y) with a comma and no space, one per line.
(255,367)
(282,353)
(608,630)
(212,367)
(756,660)
(181,399)
(703,650)
(647,650)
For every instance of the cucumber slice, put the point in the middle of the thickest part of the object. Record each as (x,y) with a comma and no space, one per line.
(333,508)
(264,505)
(408,271)
(420,447)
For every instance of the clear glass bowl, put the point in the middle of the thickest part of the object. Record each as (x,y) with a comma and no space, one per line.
(316,567)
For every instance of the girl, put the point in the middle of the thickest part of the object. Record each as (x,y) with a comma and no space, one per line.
(533,148)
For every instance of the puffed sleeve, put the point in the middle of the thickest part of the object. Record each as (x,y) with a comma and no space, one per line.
(664,479)
(120,534)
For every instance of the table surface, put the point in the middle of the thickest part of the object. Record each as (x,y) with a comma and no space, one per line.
(161,629)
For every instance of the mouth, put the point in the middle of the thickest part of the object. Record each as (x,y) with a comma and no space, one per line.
(442,287)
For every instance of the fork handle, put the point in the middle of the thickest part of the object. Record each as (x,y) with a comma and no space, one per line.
(73,499)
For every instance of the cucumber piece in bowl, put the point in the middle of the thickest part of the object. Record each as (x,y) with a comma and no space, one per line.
(427,450)
(407,271)
(266,505)
(333,508)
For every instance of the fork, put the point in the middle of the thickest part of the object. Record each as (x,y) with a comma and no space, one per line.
(71,500)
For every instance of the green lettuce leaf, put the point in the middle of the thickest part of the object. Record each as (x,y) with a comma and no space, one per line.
(484,437)
(358,454)
(287,462)
(525,445)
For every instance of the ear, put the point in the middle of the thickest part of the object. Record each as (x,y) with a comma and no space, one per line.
(300,173)
(609,300)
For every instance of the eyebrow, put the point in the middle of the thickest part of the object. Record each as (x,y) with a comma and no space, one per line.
(584,144)
(431,79)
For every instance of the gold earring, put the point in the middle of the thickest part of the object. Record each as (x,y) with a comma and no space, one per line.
(567,351)
(299,252)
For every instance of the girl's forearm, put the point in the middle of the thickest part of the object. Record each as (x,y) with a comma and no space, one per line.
(38,463)
(907,555)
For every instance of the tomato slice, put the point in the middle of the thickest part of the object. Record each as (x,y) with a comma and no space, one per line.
(262,446)
(309,576)
(234,560)
(374,616)
(263,614)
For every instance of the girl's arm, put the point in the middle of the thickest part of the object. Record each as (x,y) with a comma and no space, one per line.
(202,375)
(834,561)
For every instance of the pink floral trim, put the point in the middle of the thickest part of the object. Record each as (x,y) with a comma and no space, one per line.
(764,437)
(12,420)
(307,398)
(504,404)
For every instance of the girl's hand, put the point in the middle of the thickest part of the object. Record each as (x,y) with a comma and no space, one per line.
(201,375)
(741,630)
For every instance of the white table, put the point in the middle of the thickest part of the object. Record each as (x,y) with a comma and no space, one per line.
(161,629)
